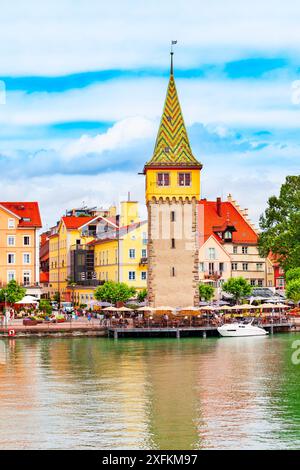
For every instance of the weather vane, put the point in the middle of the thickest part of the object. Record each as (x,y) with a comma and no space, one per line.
(172,44)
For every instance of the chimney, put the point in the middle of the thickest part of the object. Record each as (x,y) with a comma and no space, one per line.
(219,207)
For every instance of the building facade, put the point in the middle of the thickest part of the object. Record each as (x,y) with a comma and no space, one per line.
(19,244)
(172,193)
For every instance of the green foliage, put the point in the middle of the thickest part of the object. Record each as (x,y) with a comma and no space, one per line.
(293,290)
(14,292)
(142,294)
(114,292)
(280,225)
(238,287)
(56,297)
(292,274)
(45,306)
(206,292)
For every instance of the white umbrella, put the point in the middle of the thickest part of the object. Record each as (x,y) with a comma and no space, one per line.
(110,309)
(28,299)
(146,309)
(123,309)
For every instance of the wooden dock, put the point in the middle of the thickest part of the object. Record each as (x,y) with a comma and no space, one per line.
(178,332)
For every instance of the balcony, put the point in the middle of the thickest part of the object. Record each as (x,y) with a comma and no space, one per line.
(143,261)
(86,283)
(213,275)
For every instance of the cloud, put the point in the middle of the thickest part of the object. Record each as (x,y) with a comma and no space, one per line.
(121,135)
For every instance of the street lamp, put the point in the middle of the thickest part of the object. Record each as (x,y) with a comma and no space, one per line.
(5,300)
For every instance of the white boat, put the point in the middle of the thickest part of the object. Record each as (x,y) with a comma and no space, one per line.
(241,329)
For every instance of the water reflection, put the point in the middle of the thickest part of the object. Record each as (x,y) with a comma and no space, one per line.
(159,394)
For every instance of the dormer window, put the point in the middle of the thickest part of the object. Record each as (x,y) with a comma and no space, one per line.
(227,235)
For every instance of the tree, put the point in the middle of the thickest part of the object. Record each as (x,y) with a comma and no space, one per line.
(56,297)
(142,294)
(206,292)
(114,292)
(238,287)
(292,274)
(45,306)
(280,225)
(293,290)
(13,292)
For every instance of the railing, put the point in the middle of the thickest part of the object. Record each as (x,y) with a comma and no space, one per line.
(144,260)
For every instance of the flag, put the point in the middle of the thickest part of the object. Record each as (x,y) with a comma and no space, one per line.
(173,42)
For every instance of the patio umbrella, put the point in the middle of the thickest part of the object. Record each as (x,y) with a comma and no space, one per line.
(265,306)
(146,309)
(123,309)
(28,299)
(110,309)
(165,308)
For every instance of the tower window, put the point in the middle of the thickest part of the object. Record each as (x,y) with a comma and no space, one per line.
(173,243)
(172,216)
(172,271)
(163,179)
(184,179)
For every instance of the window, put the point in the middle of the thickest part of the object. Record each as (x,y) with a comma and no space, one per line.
(211,268)
(132,253)
(245,266)
(26,240)
(11,275)
(26,278)
(173,271)
(234,266)
(131,275)
(163,179)
(11,240)
(144,275)
(173,242)
(184,179)
(11,258)
(260,282)
(235,250)
(201,267)
(227,235)
(244,250)
(212,253)
(144,253)
(221,267)
(26,258)
(259,266)
(172,216)
(11,223)
(252,282)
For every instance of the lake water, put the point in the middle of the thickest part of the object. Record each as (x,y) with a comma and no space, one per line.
(191,393)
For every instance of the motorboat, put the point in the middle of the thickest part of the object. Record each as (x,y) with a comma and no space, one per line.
(241,329)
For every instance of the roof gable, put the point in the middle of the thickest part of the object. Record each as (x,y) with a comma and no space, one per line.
(28,213)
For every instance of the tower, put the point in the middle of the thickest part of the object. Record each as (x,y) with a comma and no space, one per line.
(172,195)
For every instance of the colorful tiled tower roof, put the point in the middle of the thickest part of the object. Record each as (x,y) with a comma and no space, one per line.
(172,146)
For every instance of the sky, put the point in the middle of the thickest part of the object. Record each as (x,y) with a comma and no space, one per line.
(82,87)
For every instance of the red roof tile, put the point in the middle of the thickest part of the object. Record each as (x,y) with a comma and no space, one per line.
(230,216)
(28,212)
(74,222)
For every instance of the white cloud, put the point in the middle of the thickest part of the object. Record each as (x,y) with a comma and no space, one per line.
(62,36)
(120,135)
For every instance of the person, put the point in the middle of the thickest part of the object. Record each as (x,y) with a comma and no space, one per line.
(89,317)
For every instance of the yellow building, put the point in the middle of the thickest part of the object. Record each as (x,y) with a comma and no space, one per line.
(87,251)
(19,252)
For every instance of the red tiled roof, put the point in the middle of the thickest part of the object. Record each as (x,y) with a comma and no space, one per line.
(74,222)
(230,216)
(44,277)
(28,212)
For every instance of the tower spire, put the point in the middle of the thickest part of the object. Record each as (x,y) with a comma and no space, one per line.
(172,145)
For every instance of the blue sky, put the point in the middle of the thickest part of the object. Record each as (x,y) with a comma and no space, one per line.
(85,85)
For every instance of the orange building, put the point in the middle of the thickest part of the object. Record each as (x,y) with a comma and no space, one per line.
(19,243)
